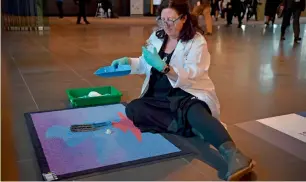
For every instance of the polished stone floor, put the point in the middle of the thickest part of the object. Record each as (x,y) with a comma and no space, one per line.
(256,76)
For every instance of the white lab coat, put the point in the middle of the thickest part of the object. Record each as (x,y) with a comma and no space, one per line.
(191,61)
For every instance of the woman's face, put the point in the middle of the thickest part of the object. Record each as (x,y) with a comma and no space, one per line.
(172,22)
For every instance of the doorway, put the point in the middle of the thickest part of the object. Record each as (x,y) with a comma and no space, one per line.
(122,7)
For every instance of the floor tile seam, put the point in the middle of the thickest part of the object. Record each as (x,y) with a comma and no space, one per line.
(194,167)
(74,71)
(66,65)
(25,82)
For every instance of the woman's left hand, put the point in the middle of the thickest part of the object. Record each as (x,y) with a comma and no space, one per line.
(153,59)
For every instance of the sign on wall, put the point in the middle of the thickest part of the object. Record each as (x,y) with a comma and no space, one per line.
(136,7)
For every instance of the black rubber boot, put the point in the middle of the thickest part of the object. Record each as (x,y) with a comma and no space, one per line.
(238,164)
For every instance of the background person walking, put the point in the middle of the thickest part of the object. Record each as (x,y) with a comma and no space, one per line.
(292,8)
(59,4)
(82,11)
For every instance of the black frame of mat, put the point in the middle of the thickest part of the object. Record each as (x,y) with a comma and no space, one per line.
(43,163)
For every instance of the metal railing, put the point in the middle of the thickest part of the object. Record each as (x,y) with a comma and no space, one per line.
(24,15)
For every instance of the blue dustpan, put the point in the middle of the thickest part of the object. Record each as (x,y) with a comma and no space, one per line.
(112,71)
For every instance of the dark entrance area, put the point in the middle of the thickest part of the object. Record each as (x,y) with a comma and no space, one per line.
(122,8)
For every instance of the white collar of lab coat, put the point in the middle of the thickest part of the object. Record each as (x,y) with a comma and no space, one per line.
(159,42)
(179,47)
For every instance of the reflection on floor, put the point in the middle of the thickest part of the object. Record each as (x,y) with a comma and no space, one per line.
(255,75)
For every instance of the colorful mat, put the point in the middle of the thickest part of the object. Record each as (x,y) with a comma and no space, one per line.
(63,154)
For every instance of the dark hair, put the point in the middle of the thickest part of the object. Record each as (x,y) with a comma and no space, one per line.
(182,8)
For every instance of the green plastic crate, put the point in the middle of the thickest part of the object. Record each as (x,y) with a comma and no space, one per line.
(75,94)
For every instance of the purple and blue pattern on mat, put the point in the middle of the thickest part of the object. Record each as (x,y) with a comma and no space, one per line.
(302,114)
(68,152)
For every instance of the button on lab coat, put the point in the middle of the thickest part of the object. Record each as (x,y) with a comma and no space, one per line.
(191,61)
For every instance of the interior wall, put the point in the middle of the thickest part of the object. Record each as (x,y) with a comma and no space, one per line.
(146,7)
(69,8)
(120,7)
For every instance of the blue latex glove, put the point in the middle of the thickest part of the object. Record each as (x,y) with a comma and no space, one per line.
(153,59)
(121,61)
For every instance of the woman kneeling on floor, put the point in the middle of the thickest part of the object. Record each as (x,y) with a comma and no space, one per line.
(177,95)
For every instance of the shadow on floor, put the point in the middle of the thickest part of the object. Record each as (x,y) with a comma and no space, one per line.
(206,154)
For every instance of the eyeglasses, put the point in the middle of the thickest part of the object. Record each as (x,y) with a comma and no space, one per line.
(169,22)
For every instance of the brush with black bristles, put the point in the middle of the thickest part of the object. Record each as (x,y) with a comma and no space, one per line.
(89,127)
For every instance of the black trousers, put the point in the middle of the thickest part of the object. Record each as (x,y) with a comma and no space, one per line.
(223,13)
(296,13)
(82,11)
(60,8)
(169,116)
(253,12)
(214,7)
(231,11)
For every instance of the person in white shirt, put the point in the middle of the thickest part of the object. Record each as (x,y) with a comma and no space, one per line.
(177,95)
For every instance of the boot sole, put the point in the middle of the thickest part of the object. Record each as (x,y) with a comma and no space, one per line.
(239,174)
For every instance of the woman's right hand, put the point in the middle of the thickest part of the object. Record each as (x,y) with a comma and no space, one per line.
(121,61)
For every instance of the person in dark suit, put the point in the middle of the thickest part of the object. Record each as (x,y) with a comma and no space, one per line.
(270,10)
(215,9)
(107,5)
(82,11)
(252,9)
(59,4)
(292,8)
(235,8)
